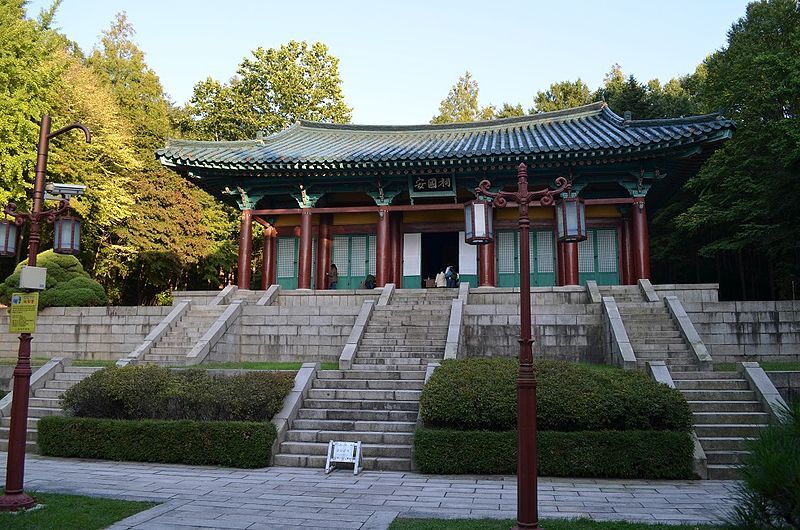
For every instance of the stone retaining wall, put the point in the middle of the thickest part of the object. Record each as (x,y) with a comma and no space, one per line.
(752,331)
(338,297)
(569,331)
(689,293)
(787,383)
(105,333)
(279,333)
(539,295)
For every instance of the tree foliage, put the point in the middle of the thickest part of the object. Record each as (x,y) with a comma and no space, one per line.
(272,89)
(461,103)
(562,95)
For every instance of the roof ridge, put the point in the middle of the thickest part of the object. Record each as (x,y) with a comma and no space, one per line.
(179,142)
(573,112)
(680,121)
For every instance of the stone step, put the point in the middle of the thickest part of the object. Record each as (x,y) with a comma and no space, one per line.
(365,437)
(31,434)
(719,395)
(730,417)
(398,348)
(710,430)
(708,374)
(664,355)
(664,334)
(354,425)
(159,356)
(85,370)
(360,404)
(41,412)
(420,309)
(72,377)
(353,415)
(372,353)
(59,385)
(646,347)
(49,403)
(725,457)
(369,395)
(725,406)
(404,342)
(723,443)
(405,334)
(367,450)
(51,393)
(368,463)
(711,384)
(372,374)
(30,447)
(723,472)
(32,422)
(371,384)
(394,362)
(368,364)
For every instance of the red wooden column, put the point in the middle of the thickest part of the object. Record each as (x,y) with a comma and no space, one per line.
(397,249)
(641,240)
(559,263)
(627,252)
(383,251)
(486,267)
(270,254)
(304,258)
(569,252)
(324,246)
(245,249)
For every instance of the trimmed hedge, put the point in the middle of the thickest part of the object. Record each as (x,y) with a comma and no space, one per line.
(478,393)
(152,392)
(232,444)
(617,454)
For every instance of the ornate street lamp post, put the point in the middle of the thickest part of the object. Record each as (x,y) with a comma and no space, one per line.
(15,498)
(527,503)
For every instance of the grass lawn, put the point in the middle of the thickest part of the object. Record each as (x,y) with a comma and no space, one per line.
(551,524)
(769,366)
(71,511)
(265,366)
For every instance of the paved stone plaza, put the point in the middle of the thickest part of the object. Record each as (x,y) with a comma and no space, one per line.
(282,497)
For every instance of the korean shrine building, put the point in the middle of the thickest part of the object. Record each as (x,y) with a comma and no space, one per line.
(389,200)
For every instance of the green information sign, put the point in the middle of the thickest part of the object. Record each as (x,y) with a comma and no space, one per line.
(22,312)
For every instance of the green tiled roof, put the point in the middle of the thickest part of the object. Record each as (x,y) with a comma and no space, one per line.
(591,130)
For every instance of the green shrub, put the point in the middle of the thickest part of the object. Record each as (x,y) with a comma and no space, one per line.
(67,283)
(152,392)
(769,496)
(610,454)
(480,393)
(234,444)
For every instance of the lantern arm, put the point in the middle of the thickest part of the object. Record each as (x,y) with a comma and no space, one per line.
(19,217)
(48,215)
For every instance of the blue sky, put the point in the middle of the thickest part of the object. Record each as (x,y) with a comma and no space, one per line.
(399,59)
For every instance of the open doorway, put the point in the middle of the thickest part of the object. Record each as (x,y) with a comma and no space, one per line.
(438,251)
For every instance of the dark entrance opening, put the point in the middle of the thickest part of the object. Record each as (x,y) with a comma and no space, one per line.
(438,251)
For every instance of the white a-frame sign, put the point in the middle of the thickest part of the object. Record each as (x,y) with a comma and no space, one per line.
(344,453)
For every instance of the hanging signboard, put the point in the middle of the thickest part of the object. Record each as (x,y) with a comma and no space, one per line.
(343,453)
(22,312)
(431,186)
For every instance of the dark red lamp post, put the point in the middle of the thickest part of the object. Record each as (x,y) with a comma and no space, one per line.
(68,239)
(527,455)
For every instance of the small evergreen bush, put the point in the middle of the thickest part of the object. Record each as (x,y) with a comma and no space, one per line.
(610,454)
(478,393)
(152,392)
(769,496)
(68,285)
(234,444)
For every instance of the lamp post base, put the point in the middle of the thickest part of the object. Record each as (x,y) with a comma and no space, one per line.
(16,501)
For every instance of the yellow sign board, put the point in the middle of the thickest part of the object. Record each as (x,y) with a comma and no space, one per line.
(22,312)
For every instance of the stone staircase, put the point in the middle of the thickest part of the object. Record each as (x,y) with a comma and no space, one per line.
(655,337)
(172,349)
(45,402)
(377,400)
(622,293)
(726,414)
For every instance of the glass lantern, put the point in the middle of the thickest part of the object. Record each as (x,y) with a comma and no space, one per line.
(571,219)
(8,238)
(67,235)
(478,228)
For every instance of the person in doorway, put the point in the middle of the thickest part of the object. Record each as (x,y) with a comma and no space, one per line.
(450,276)
(440,279)
(369,282)
(333,276)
